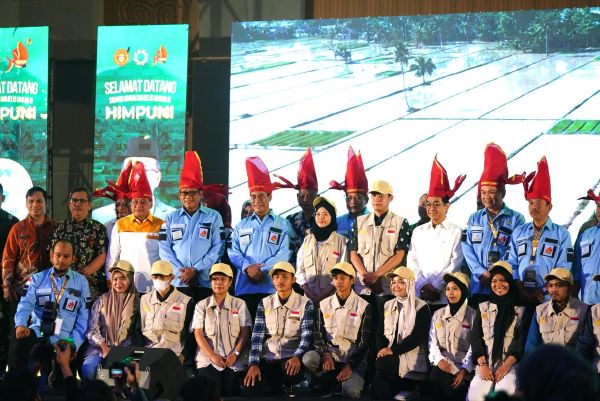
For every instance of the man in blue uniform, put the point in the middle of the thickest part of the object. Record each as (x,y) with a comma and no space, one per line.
(586,263)
(489,230)
(258,241)
(538,247)
(356,188)
(57,300)
(191,239)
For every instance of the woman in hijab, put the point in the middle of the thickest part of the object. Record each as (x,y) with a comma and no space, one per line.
(498,336)
(246,209)
(320,251)
(113,318)
(449,346)
(402,340)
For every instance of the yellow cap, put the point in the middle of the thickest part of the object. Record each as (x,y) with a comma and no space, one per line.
(383,187)
(560,273)
(344,267)
(223,268)
(403,272)
(320,199)
(502,265)
(162,267)
(460,276)
(122,265)
(285,266)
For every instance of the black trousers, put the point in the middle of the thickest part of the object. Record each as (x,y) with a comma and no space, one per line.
(386,382)
(252,301)
(227,380)
(440,385)
(273,378)
(7,326)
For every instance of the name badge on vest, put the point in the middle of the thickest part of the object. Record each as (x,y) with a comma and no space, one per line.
(586,250)
(245,236)
(176,233)
(70,304)
(476,236)
(274,236)
(205,231)
(548,250)
(522,249)
(504,235)
(493,257)
(529,277)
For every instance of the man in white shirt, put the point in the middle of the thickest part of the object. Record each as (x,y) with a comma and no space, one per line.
(435,248)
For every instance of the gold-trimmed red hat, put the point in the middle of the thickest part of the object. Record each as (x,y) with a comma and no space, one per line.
(191,172)
(307,176)
(591,196)
(138,182)
(118,190)
(356,178)
(495,168)
(439,186)
(258,175)
(540,182)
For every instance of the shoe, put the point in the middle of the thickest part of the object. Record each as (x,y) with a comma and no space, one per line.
(405,395)
(288,392)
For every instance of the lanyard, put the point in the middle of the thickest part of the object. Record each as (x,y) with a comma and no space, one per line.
(535,241)
(58,294)
(494,230)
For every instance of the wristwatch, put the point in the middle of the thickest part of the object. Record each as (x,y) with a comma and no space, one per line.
(236,352)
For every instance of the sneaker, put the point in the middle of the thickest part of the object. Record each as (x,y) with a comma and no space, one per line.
(288,391)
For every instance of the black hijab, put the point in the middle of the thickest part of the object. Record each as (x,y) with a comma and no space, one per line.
(506,312)
(464,292)
(321,234)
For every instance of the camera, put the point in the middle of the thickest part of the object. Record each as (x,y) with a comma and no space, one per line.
(116,370)
(48,317)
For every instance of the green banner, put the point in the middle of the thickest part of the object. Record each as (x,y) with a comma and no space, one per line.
(23,113)
(141,80)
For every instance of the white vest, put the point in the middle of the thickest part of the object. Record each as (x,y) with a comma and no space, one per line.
(452,332)
(163,322)
(488,316)
(562,328)
(376,245)
(317,261)
(342,324)
(282,323)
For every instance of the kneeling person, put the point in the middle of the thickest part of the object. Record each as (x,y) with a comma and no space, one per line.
(342,337)
(560,320)
(221,326)
(166,313)
(282,334)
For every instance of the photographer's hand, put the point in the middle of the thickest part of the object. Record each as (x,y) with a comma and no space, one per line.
(133,378)
(63,358)
(22,332)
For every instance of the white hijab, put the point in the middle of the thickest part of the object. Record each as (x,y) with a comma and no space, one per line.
(406,320)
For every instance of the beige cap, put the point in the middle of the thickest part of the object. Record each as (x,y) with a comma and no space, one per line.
(123,265)
(403,272)
(320,199)
(285,266)
(560,273)
(344,267)
(503,265)
(162,267)
(460,276)
(223,268)
(383,187)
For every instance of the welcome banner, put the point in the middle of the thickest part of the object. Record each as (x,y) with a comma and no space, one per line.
(23,113)
(141,80)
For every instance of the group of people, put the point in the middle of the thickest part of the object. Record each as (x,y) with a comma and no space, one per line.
(354,303)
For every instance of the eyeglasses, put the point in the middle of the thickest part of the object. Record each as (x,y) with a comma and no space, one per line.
(378,195)
(184,194)
(76,201)
(434,205)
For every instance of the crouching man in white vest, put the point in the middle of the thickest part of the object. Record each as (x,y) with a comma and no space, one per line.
(342,336)
(282,334)
(166,313)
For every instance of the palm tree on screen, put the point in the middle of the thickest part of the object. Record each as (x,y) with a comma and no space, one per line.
(423,67)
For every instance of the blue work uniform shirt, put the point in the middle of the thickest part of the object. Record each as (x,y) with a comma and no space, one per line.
(586,265)
(258,241)
(72,309)
(192,241)
(346,222)
(480,245)
(554,250)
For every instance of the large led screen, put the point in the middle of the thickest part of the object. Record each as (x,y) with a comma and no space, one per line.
(23,113)
(402,89)
(141,83)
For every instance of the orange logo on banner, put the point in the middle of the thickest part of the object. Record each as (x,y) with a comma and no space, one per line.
(160,56)
(121,57)
(20,56)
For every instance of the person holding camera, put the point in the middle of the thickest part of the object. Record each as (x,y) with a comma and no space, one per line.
(113,320)
(57,300)
(222,326)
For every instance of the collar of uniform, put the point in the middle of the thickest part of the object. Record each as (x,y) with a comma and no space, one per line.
(226,302)
(384,222)
(442,225)
(133,219)
(47,220)
(459,315)
(290,301)
(505,211)
(547,225)
(255,217)
(569,310)
(155,300)
(69,273)
(349,301)
(182,211)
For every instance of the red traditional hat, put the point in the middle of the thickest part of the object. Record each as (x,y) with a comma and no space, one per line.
(591,196)
(356,179)
(215,197)
(439,184)
(540,183)
(495,169)
(191,173)
(120,190)
(307,176)
(138,182)
(258,175)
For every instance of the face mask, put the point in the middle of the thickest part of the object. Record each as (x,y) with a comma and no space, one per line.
(160,285)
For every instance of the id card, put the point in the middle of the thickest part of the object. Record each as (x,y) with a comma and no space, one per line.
(57,325)
(492,257)
(529,278)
